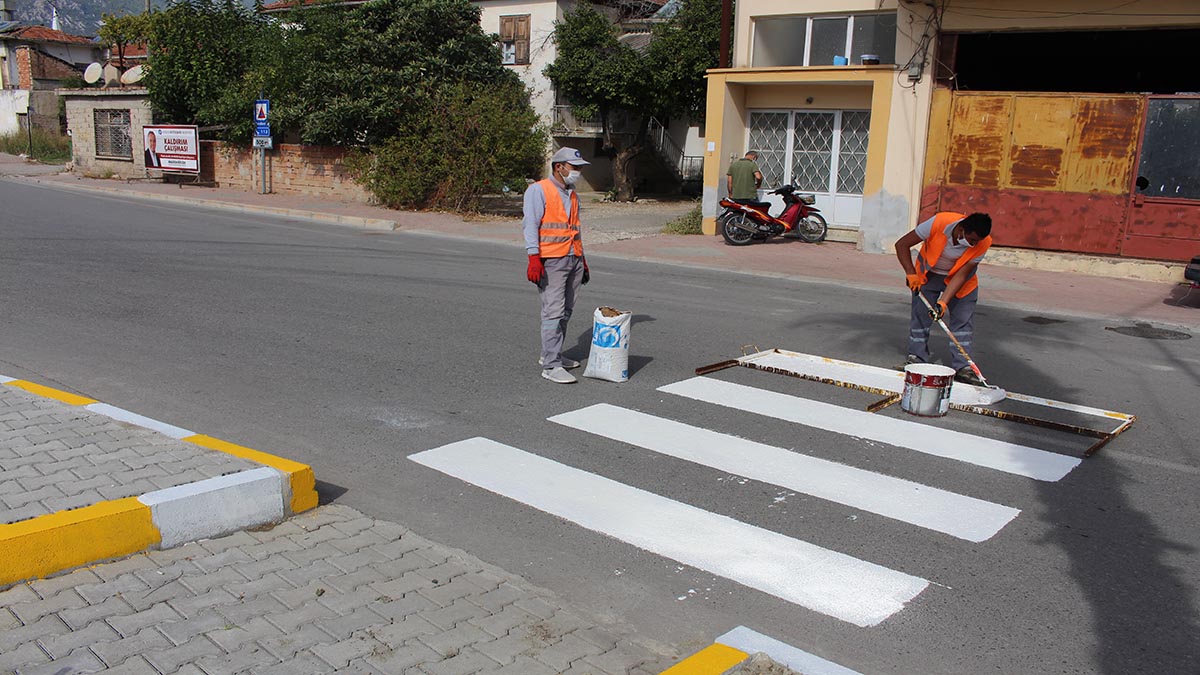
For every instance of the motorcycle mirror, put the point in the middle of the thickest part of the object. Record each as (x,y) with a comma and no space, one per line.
(1142,183)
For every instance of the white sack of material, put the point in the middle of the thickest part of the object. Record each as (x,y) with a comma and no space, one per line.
(609,358)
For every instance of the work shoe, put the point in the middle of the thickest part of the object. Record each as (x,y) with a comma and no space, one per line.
(559,376)
(566,363)
(968,376)
(908,361)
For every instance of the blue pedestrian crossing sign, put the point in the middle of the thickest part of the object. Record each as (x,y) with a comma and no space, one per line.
(262,108)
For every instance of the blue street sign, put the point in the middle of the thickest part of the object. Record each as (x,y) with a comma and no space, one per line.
(262,109)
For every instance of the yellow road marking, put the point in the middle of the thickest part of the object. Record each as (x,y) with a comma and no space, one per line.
(47,544)
(300,476)
(712,660)
(56,394)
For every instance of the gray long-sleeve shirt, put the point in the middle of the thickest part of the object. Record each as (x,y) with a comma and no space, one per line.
(535,208)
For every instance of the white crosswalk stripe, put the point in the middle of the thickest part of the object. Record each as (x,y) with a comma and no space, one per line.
(830,582)
(825,581)
(957,515)
(994,454)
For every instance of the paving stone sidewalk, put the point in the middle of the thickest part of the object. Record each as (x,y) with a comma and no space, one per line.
(55,457)
(328,591)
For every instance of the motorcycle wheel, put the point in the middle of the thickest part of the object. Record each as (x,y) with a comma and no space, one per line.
(734,235)
(812,228)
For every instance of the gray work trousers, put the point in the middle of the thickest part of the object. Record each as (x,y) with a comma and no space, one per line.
(960,318)
(557,292)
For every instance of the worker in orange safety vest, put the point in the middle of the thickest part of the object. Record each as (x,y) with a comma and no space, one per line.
(555,251)
(945,271)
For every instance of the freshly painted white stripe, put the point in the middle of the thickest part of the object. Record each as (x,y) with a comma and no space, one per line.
(893,380)
(993,454)
(217,506)
(954,514)
(752,642)
(6,380)
(134,418)
(824,581)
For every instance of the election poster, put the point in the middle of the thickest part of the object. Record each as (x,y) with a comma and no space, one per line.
(172,148)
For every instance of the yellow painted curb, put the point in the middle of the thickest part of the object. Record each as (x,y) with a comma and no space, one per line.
(712,660)
(33,548)
(56,394)
(300,476)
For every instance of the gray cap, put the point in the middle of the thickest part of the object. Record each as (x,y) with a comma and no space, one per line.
(570,156)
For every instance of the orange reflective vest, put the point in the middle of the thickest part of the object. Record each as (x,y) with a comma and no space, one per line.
(558,233)
(931,251)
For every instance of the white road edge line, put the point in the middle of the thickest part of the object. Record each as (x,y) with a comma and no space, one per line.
(140,420)
(957,515)
(986,452)
(832,583)
(752,642)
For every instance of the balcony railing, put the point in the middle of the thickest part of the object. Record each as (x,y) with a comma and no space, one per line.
(567,123)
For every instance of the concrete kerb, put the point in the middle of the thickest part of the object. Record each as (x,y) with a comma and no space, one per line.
(214,507)
(741,652)
(218,205)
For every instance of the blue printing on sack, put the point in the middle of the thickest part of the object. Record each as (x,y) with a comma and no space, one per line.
(608,337)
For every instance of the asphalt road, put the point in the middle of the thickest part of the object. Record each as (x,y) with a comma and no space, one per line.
(352,350)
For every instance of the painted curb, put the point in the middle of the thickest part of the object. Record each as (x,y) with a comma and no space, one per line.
(214,507)
(738,645)
(318,216)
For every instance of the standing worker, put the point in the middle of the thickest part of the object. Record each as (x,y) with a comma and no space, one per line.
(952,245)
(556,262)
(743,179)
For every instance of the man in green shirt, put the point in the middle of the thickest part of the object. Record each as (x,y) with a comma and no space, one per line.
(743,178)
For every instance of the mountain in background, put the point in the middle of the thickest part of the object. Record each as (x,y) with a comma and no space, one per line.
(80,17)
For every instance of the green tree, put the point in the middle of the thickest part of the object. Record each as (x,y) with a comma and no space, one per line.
(122,31)
(602,76)
(198,50)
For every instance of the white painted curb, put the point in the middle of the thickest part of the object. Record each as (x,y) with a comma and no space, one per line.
(752,642)
(217,506)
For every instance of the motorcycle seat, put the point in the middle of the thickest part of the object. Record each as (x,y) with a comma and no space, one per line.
(753,203)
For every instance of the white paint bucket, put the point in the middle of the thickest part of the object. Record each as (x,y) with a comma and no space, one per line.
(926,389)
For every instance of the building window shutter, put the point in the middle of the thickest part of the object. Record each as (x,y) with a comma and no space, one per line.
(522,39)
(514,39)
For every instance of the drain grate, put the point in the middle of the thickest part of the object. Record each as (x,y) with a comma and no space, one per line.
(1145,330)
(1042,320)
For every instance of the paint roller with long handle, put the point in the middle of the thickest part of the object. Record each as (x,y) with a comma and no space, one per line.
(992,393)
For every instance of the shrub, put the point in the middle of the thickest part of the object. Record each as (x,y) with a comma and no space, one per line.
(688,223)
(468,140)
(48,147)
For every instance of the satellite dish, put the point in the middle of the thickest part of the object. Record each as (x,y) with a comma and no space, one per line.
(112,75)
(93,73)
(134,74)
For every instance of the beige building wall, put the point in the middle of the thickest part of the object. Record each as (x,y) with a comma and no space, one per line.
(899,113)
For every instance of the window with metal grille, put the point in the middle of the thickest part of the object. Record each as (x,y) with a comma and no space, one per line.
(819,151)
(113,137)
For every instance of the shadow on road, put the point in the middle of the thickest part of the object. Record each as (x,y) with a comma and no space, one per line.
(1141,607)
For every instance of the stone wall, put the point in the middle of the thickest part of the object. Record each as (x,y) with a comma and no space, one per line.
(291,169)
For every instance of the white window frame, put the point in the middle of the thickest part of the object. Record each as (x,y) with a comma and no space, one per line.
(808,26)
(789,146)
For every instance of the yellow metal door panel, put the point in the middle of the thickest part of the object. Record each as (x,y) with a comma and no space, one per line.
(1102,157)
(1041,131)
(979,128)
(939,134)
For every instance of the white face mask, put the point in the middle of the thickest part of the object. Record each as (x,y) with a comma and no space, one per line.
(571,177)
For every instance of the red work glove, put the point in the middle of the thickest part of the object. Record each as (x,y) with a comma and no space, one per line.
(939,310)
(536,270)
(914,282)
(587,273)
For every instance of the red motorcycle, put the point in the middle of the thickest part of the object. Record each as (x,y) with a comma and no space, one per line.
(742,224)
